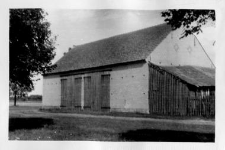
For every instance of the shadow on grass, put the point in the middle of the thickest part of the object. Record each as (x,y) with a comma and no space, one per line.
(166,136)
(28,123)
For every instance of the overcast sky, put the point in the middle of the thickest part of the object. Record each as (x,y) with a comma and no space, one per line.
(75,27)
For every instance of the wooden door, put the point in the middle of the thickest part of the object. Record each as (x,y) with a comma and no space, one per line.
(105,92)
(87,92)
(63,92)
(77,92)
(95,96)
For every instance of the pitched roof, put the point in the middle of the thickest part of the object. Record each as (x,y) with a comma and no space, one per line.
(198,76)
(133,46)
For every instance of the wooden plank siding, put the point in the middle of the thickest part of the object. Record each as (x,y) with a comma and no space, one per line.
(169,95)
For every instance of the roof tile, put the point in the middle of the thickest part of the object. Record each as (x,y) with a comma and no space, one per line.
(199,76)
(133,46)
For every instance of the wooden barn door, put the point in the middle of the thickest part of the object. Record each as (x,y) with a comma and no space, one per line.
(63,92)
(77,92)
(105,92)
(95,86)
(87,93)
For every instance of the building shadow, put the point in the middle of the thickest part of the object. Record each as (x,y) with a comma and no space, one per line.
(166,136)
(28,123)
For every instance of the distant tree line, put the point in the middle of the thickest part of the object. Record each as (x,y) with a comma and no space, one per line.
(25,97)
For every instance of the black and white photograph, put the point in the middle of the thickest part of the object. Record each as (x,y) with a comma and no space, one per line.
(113,75)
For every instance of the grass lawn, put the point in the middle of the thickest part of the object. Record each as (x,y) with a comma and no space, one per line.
(25,124)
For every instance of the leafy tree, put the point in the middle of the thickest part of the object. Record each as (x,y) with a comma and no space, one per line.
(17,92)
(31,47)
(190,19)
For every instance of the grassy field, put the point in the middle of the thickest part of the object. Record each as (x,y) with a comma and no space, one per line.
(26,123)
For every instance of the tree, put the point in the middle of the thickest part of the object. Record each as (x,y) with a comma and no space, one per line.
(17,92)
(31,47)
(190,19)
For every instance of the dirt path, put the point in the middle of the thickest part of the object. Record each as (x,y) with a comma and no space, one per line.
(194,122)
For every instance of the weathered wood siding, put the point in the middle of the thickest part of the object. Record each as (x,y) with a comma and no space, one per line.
(168,95)
(202,102)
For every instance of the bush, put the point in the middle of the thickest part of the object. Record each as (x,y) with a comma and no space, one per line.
(35,98)
(18,98)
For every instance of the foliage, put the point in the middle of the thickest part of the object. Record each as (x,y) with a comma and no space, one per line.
(35,98)
(191,20)
(17,91)
(31,47)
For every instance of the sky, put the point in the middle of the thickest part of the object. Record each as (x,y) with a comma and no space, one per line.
(75,27)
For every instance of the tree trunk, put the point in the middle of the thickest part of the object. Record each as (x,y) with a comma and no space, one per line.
(15,98)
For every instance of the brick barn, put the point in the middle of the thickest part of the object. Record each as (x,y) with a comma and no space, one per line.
(149,71)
